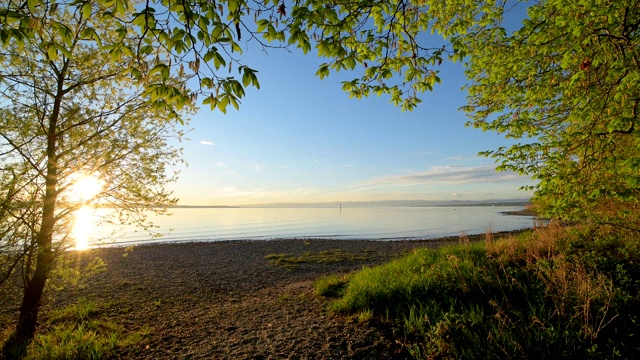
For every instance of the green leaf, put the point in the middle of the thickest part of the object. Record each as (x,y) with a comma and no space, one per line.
(135,73)
(254,81)
(64,51)
(234,102)
(210,55)
(262,25)
(246,79)
(236,48)
(219,61)
(52,53)
(120,7)
(86,10)
(146,50)
(33,5)
(323,71)
(222,104)
(162,70)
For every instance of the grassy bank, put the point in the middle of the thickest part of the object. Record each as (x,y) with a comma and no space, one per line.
(549,293)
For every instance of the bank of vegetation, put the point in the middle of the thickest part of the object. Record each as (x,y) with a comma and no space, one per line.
(550,293)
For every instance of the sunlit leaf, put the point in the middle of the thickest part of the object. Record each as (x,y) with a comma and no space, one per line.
(86,10)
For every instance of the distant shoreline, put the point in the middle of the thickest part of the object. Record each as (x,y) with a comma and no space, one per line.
(203,207)
(523,212)
(372,204)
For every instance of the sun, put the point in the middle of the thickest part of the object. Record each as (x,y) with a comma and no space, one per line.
(86,187)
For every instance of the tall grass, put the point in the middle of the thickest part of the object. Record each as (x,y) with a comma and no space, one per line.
(78,332)
(550,293)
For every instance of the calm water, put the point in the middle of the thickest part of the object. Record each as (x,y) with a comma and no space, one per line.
(388,223)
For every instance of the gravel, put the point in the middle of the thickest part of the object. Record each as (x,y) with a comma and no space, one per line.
(227,300)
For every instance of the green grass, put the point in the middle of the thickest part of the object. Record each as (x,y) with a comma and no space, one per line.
(552,293)
(331,286)
(289,261)
(78,332)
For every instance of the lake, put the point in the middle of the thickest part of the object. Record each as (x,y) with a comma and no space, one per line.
(378,223)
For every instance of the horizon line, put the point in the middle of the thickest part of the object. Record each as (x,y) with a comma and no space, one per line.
(522,201)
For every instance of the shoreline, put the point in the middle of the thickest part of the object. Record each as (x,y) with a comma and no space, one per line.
(232,300)
(436,238)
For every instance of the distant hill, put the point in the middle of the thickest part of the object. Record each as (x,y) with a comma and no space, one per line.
(393,203)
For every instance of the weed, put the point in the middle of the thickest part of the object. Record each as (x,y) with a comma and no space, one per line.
(464,239)
(364,316)
(68,274)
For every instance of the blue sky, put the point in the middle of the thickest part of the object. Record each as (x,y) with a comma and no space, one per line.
(301,139)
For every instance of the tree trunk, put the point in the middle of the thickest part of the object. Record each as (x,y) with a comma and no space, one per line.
(34,285)
(26,326)
(15,347)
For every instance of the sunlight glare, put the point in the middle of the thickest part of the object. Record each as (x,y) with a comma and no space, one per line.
(83,227)
(86,187)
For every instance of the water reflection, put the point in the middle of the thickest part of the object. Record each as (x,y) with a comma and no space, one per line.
(84,227)
(211,224)
(84,190)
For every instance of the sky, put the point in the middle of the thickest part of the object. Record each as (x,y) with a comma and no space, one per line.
(300,139)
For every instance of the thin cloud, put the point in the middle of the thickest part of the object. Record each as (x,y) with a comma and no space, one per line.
(261,194)
(449,175)
(349,165)
(221,164)
(463,157)
(205,142)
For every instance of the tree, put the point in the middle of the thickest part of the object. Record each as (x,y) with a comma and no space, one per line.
(566,82)
(90,86)
(70,110)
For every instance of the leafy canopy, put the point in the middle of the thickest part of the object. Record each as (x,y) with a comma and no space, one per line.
(193,39)
(567,83)
(383,40)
